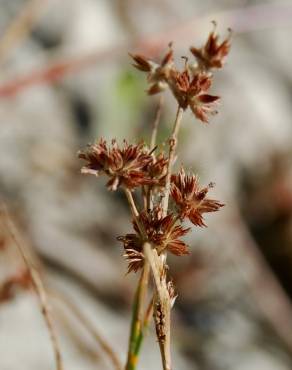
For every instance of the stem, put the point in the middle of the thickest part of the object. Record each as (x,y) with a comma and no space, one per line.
(146,320)
(137,326)
(41,294)
(134,210)
(90,327)
(162,304)
(156,124)
(132,204)
(172,148)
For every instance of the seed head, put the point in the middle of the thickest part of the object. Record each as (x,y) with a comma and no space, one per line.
(192,92)
(190,86)
(212,54)
(125,165)
(190,199)
(161,232)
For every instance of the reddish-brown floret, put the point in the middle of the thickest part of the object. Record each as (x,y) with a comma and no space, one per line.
(190,199)
(161,232)
(157,170)
(189,87)
(192,92)
(157,72)
(212,54)
(125,165)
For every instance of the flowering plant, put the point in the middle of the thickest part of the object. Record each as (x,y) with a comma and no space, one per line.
(158,228)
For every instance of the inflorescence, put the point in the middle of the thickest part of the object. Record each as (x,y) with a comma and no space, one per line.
(136,166)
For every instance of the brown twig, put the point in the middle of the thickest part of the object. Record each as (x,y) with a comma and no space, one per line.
(39,289)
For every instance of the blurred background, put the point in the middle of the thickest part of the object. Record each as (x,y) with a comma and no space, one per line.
(66,79)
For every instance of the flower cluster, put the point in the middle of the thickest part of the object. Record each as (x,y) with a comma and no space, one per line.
(166,199)
(127,165)
(190,87)
(213,54)
(192,202)
(162,232)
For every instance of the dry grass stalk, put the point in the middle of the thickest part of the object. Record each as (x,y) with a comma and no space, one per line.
(38,287)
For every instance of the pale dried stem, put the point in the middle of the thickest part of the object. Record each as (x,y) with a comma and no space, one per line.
(132,204)
(40,292)
(89,326)
(154,132)
(171,157)
(162,304)
(134,209)
(156,123)
(143,291)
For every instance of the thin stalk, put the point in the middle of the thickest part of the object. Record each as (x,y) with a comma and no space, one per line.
(146,320)
(137,326)
(171,156)
(132,204)
(138,305)
(152,148)
(156,124)
(134,209)
(41,294)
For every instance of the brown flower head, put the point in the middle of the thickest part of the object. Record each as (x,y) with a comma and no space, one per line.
(158,73)
(190,199)
(157,169)
(212,54)
(192,92)
(125,165)
(161,232)
(190,86)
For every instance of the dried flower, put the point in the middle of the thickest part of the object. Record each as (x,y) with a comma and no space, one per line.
(157,169)
(161,232)
(158,73)
(191,92)
(189,87)
(212,54)
(124,165)
(190,199)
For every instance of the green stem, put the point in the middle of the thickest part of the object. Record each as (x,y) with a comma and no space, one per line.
(145,326)
(137,326)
